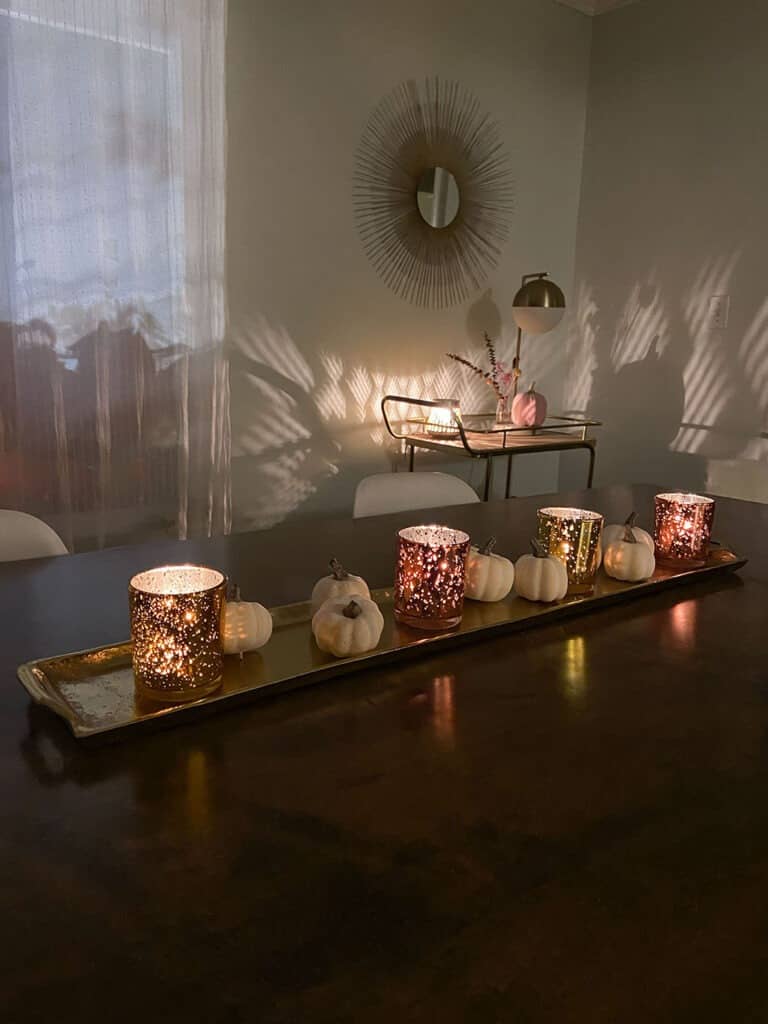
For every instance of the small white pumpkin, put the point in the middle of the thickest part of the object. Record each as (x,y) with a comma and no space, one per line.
(539,576)
(616,532)
(629,559)
(245,625)
(345,626)
(339,583)
(489,576)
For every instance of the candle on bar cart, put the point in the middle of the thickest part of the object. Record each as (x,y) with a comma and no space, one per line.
(441,423)
(573,536)
(429,585)
(176,631)
(683,528)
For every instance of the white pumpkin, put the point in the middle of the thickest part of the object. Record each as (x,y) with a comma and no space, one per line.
(628,559)
(339,583)
(245,625)
(616,532)
(345,626)
(489,576)
(540,577)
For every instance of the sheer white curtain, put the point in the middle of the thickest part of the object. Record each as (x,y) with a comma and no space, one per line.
(114,411)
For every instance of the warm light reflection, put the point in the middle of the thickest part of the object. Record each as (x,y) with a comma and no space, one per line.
(198,796)
(443,710)
(574,668)
(681,631)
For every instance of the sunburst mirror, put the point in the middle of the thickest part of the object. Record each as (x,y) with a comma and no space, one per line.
(433,194)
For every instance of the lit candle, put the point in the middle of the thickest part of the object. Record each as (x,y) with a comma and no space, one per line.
(573,536)
(441,423)
(683,528)
(176,631)
(429,588)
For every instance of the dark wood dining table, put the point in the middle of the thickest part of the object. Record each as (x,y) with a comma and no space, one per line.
(564,825)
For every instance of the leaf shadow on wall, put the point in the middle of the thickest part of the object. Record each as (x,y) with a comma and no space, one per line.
(281,448)
(307,424)
(637,391)
(683,403)
(658,379)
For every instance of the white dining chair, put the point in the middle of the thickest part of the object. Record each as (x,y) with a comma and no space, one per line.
(26,536)
(400,492)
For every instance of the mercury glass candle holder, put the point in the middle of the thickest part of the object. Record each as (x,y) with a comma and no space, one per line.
(573,536)
(683,528)
(429,587)
(176,632)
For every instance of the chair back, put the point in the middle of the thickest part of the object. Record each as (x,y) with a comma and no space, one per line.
(26,536)
(400,492)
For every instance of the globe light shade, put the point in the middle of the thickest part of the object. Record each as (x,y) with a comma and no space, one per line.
(537,321)
(538,306)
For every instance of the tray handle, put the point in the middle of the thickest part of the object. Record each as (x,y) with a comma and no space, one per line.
(36,685)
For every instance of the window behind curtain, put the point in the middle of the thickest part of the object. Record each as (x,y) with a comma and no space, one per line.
(114,418)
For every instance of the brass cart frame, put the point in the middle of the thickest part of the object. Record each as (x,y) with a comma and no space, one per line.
(454,434)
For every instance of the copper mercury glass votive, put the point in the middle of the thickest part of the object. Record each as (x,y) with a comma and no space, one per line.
(573,536)
(429,586)
(683,528)
(176,632)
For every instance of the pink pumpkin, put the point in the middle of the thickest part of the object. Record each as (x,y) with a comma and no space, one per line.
(529,409)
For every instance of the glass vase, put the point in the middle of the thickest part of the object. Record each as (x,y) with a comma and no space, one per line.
(504,411)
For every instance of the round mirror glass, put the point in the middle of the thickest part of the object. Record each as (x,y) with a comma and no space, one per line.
(438,197)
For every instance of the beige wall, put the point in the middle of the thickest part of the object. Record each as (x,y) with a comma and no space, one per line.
(674,210)
(316,336)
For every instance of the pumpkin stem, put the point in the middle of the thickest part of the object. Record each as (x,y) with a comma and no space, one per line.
(532,388)
(488,547)
(538,548)
(337,570)
(235,591)
(629,537)
(352,610)
(630,520)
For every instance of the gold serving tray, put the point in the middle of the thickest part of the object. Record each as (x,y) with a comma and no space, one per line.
(93,691)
